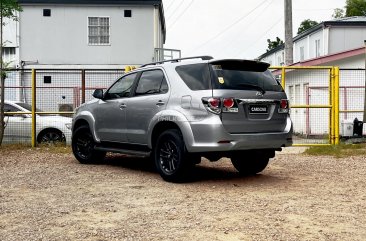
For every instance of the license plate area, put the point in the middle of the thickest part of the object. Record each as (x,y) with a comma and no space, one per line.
(258,109)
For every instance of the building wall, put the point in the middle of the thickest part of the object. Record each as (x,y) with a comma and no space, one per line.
(62,38)
(346,38)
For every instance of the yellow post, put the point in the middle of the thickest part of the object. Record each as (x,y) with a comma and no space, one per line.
(283,79)
(336,107)
(331,102)
(34,108)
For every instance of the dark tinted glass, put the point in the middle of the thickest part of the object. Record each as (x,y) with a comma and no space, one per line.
(27,107)
(243,79)
(196,76)
(10,108)
(122,87)
(152,82)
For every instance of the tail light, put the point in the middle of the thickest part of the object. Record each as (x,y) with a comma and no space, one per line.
(284,107)
(218,105)
(228,102)
(214,105)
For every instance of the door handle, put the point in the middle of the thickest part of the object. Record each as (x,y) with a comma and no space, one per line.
(160,103)
(122,106)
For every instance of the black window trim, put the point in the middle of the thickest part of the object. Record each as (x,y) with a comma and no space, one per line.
(137,80)
(132,88)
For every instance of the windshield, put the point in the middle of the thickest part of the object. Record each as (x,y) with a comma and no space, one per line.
(28,107)
(229,77)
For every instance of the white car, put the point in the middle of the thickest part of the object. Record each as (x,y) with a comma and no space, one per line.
(49,128)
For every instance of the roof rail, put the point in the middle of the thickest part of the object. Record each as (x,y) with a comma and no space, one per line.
(204,57)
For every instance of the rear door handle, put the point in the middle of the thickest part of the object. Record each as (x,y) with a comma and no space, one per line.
(160,103)
(122,106)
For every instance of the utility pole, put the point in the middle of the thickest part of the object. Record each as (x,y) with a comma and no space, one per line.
(289,59)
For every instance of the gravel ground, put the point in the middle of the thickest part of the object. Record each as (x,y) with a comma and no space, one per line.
(48,196)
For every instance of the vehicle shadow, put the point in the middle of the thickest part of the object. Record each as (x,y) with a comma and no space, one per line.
(203,172)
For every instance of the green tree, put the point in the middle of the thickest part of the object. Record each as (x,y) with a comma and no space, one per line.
(305,25)
(355,8)
(8,9)
(338,13)
(274,44)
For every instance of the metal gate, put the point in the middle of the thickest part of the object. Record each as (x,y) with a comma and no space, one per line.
(313,93)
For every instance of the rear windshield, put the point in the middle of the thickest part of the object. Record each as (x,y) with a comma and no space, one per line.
(197,77)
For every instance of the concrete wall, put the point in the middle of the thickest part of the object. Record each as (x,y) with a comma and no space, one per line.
(63,37)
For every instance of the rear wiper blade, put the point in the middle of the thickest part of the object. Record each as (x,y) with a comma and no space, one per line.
(255,87)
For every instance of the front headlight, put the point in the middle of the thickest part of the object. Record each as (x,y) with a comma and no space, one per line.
(68,125)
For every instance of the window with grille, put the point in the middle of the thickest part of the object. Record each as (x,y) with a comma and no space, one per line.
(98,31)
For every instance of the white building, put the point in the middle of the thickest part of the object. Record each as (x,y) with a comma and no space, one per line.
(330,43)
(79,34)
(85,34)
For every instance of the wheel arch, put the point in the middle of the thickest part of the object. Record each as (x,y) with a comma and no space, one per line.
(170,120)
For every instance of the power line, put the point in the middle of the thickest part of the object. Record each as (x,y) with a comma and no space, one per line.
(233,39)
(265,32)
(231,25)
(175,9)
(169,5)
(181,14)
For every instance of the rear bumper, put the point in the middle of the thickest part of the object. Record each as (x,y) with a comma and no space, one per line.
(210,136)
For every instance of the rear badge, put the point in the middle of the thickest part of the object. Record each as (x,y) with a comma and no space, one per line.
(260,94)
(221,80)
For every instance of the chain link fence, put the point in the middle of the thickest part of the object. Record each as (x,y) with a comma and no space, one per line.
(58,93)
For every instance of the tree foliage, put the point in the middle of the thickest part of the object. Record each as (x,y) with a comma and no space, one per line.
(9,9)
(305,25)
(338,13)
(352,8)
(274,44)
(355,8)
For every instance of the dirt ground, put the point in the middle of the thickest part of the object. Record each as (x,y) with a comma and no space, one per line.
(50,196)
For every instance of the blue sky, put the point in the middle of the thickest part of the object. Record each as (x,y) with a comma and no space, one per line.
(235,28)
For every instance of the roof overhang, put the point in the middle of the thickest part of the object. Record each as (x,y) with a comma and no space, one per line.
(331,58)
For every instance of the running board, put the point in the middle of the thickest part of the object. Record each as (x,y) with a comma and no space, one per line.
(123,151)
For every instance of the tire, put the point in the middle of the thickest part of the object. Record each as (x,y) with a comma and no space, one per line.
(83,146)
(171,157)
(256,161)
(51,136)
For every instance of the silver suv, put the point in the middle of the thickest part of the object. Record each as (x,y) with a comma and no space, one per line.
(179,110)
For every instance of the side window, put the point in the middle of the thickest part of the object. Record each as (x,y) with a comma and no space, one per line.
(10,108)
(152,82)
(196,76)
(122,87)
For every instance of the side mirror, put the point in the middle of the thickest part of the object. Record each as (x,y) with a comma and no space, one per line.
(98,93)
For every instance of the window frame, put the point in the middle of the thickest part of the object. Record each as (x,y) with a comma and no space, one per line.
(133,86)
(137,81)
(88,33)
(317,48)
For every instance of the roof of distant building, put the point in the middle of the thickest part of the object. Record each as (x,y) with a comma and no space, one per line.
(348,21)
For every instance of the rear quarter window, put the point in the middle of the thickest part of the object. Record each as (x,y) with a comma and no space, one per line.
(196,76)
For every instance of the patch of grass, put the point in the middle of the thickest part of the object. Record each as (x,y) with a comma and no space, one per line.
(341,150)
